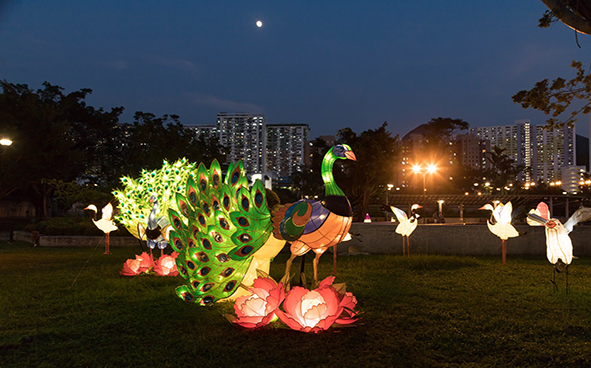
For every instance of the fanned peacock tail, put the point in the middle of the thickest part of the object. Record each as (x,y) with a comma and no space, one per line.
(219,225)
(134,199)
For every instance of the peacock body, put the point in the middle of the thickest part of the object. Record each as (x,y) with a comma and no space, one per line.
(222,232)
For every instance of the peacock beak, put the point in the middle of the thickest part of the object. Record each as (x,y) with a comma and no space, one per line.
(350,155)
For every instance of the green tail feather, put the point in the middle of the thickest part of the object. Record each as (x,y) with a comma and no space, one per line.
(220,224)
(134,198)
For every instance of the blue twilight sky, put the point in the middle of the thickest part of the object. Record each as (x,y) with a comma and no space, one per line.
(330,64)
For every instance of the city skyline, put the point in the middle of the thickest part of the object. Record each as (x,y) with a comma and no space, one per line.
(354,65)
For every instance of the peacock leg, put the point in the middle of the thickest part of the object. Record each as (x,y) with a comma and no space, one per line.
(403,245)
(302,269)
(408,245)
(315,263)
(334,260)
(287,276)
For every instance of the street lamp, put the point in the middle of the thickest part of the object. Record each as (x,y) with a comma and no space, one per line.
(390,186)
(430,169)
(4,142)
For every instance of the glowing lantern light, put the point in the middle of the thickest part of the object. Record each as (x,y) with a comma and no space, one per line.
(317,310)
(166,265)
(501,227)
(131,268)
(222,226)
(406,225)
(258,308)
(142,263)
(134,198)
(105,224)
(559,247)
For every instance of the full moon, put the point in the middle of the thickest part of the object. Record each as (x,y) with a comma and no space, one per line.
(259,23)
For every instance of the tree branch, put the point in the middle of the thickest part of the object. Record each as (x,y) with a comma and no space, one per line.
(568,17)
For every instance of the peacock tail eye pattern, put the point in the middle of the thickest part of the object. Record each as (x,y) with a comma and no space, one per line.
(219,223)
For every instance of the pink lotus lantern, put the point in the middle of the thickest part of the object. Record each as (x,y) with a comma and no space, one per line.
(146,262)
(141,264)
(166,265)
(130,268)
(258,309)
(317,310)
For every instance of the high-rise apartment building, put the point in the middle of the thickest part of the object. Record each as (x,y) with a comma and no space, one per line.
(470,151)
(244,136)
(541,151)
(287,148)
(554,149)
(278,150)
(515,139)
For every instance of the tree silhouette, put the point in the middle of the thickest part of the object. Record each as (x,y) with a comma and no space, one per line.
(504,170)
(375,150)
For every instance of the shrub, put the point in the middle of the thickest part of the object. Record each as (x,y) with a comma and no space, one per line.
(71,226)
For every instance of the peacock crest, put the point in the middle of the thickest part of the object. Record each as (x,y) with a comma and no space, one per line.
(218,225)
(136,198)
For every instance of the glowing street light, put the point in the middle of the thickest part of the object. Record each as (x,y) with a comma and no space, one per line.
(5,142)
(430,169)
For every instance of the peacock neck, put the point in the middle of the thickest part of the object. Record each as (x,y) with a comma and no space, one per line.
(330,187)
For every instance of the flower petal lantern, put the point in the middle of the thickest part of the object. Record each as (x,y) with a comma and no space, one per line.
(258,308)
(317,310)
(166,265)
(130,268)
(146,262)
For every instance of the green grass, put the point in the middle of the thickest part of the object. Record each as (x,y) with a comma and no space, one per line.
(62,307)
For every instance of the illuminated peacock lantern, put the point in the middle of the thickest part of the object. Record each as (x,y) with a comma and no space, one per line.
(143,202)
(224,230)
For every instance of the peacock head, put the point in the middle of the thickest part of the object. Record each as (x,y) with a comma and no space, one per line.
(343,152)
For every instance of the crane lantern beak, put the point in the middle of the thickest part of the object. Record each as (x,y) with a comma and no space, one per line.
(350,155)
(539,219)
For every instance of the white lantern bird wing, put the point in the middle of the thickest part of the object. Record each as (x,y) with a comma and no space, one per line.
(406,225)
(581,215)
(503,228)
(107,212)
(504,212)
(400,214)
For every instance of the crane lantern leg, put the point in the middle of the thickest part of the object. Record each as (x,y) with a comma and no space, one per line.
(107,244)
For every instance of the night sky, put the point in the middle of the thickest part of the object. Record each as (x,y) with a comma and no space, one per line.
(330,64)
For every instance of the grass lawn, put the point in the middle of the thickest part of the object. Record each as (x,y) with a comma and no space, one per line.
(62,307)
